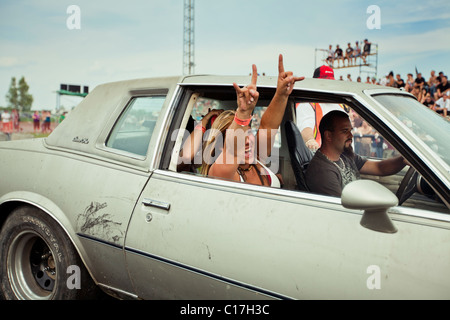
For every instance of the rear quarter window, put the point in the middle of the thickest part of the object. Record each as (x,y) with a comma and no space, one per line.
(134,128)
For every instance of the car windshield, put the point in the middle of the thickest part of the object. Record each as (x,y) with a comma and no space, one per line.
(426,124)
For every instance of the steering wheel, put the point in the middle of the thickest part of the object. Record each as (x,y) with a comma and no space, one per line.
(408,185)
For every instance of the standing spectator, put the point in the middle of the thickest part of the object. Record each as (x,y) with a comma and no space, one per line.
(368,80)
(36,121)
(358,79)
(16,120)
(46,123)
(409,82)
(374,80)
(399,82)
(7,123)
(366,50)
(349,54)
(309,115)
(330,58)
(339,55)
(443,88)
(349,77)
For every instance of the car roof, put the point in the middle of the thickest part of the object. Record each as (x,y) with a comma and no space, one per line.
(103,105)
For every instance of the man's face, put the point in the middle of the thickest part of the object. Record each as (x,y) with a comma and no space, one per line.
(341,136)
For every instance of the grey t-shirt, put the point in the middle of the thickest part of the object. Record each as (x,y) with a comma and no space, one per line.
(328,177)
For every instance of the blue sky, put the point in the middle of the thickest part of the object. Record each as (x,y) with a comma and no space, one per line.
(144,38)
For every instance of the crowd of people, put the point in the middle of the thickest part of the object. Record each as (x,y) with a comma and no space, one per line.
(433,93)
(353,55)
(11,122)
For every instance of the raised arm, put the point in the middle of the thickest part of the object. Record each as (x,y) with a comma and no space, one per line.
(273,116)
(194,142)
(233,152)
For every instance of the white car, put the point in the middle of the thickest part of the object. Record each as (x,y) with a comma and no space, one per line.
(100,203)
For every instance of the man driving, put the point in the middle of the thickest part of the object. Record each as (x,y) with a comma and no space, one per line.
(335,164)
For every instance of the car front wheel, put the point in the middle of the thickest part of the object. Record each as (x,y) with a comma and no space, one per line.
(39,261)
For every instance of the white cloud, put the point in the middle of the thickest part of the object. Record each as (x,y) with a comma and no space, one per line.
(7,62)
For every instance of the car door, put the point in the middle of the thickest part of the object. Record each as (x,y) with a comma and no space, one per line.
(199,238)
(192,237)
(112,186)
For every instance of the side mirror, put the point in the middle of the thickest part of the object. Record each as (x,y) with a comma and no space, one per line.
(374,199)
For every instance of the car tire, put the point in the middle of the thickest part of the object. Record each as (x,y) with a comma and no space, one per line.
(39,262)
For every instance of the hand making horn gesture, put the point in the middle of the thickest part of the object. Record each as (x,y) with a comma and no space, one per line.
(247,97)
(286,79)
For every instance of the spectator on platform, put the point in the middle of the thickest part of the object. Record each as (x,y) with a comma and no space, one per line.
(330,57)
(366,50)
(356,51)
(349,55)
(339,56)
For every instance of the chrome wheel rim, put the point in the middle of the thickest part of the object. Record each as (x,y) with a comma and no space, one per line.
(31,267)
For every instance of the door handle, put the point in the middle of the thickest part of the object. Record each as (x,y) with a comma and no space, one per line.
(156,204)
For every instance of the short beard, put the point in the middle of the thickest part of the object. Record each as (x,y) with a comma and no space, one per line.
(348,151)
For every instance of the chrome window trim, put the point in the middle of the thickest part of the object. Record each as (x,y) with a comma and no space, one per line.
(316,200)
(164,129)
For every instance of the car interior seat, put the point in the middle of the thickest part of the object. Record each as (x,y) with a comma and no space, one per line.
(299,153)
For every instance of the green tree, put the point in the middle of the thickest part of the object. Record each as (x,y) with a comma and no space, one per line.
(25,99)
(18,96)
(12,96)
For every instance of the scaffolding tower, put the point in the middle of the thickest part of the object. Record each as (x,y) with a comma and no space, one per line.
(369,68)
(188,38)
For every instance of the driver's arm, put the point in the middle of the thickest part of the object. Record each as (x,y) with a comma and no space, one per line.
(384,167)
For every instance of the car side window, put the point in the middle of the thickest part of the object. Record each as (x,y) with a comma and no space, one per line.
(134,129)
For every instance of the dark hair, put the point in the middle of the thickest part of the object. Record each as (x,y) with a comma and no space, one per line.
(328,120)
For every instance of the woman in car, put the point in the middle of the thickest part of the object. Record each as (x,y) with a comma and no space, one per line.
(232,155)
